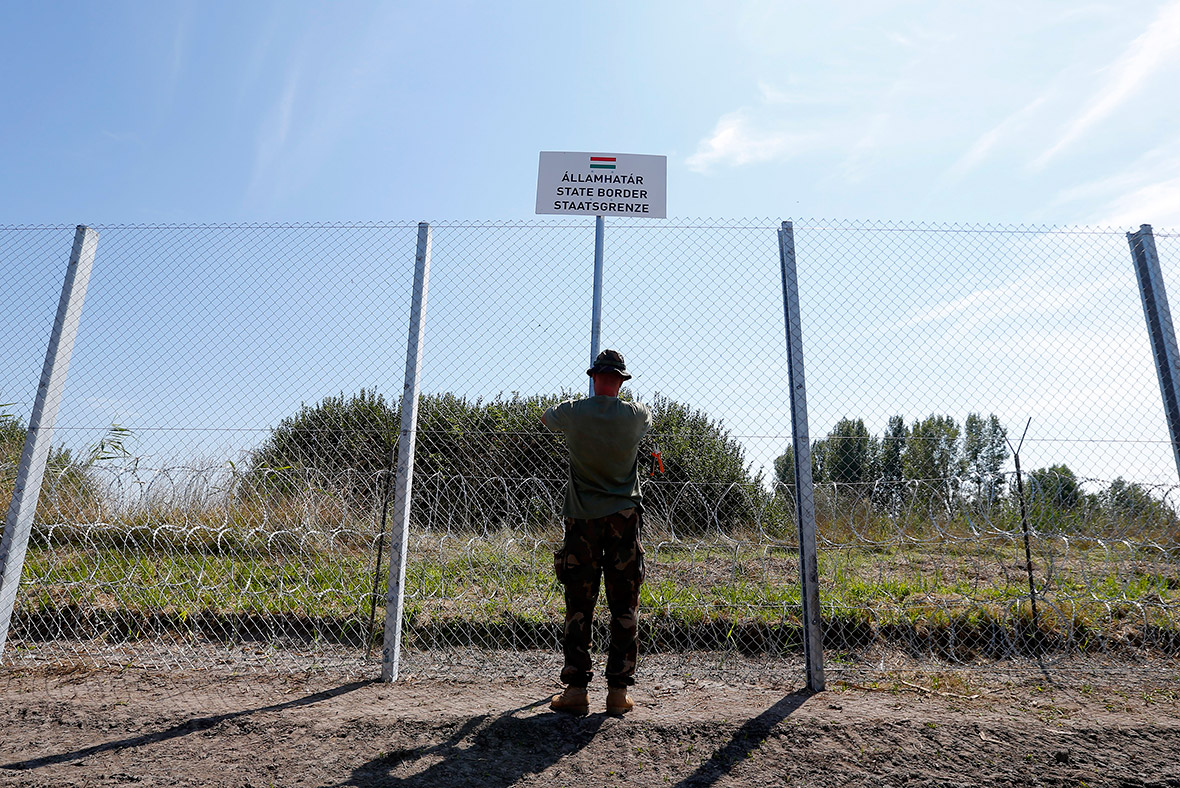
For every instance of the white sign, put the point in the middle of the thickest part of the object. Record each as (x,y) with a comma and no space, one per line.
(603,184)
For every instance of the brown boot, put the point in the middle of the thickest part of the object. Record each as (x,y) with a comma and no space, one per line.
(572,701)
(618,701)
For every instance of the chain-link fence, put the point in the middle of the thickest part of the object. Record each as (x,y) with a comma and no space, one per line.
(934,355)
(219,492)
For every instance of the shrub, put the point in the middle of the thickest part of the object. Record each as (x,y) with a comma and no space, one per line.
(489,464)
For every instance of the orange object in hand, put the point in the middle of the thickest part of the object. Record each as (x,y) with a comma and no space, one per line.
(657,459)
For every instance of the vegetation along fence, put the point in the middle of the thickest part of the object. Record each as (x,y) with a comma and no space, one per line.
(994,479)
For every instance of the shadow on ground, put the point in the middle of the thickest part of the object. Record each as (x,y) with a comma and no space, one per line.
(745,741)
(185,728)
(493,751)
(499,751)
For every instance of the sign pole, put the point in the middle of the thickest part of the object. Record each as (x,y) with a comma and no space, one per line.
(574,183)
(596,317)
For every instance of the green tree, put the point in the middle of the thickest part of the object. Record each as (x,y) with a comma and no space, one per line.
(820,466)
(12,438)
(890,485)
(985,450)
(345,442)
(1130,501)
(850,456)
(1054,488)
(67,488)
(784,468)
(784,464)
(707,483)
(12,442)
(932,461)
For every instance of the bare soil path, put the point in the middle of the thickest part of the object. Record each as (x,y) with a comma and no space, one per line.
(144,730)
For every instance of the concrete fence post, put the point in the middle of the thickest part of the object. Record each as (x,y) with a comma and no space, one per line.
(395,596)
(804,487)
(31,471)
(1160,330)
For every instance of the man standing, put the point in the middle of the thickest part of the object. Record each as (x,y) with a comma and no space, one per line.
(603,508)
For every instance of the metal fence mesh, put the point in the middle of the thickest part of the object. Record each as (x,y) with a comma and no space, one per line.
(225,443)
(930,350)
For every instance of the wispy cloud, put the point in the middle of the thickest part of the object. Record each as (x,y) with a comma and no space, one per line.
(1034,294)
(172,69)
(987,141)
(1155,203)
(180,45)
(1145,56)
(853,165)
(273,133)
(1146,192)
(736,140)
(772,95)
(261,50)
(327,90)
(122,136)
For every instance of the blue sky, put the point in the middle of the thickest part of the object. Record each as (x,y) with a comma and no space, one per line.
(1047,112)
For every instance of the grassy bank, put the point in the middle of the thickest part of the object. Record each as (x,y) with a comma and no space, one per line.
(958,597)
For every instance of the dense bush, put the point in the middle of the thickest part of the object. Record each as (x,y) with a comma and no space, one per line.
(344,442)
(482,464)
(707,484)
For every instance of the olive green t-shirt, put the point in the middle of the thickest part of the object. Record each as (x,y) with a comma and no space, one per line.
(602,434)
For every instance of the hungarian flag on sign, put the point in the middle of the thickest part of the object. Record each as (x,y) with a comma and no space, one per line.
(602,162)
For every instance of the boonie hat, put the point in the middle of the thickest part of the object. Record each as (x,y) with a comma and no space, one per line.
(610,361)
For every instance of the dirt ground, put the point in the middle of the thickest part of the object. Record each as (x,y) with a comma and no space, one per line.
(104,729)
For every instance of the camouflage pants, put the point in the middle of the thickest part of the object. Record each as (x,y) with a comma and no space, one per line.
(605,547)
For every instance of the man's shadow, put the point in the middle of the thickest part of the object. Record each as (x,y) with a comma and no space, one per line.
(490,751)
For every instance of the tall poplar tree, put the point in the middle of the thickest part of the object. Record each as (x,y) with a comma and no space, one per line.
(985,450)
(890,486)
(932,460)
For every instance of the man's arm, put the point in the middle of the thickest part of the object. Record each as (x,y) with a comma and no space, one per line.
(553,418)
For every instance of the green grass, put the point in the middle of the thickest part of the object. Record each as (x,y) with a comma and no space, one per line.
(955,595)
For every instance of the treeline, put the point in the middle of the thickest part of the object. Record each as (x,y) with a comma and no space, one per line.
(485,464)
(488,463)
(940,467)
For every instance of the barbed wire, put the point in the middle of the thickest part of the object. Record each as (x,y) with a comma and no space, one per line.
(265,555)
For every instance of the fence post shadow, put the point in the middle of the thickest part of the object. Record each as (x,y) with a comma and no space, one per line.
(745,740)
(191,725)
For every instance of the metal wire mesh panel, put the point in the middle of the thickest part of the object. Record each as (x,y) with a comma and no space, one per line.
(696,310)
(930,350)
(34,263)
(218,490)
(165,536)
